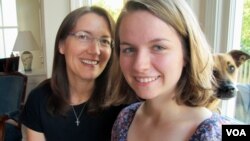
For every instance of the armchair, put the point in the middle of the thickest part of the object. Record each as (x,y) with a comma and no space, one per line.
(12,96)
(9,64)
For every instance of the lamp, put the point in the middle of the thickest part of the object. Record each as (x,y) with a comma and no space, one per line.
(25,42)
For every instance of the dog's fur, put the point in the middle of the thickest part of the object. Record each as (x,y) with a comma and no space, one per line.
(226,66)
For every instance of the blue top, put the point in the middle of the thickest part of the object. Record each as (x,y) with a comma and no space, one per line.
(209,130)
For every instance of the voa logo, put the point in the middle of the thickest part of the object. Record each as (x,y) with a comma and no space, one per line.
(236,132)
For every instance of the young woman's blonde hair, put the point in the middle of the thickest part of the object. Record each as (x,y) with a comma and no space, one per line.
(195,85)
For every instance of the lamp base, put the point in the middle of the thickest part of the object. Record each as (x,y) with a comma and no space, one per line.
(27,70)
(27,58)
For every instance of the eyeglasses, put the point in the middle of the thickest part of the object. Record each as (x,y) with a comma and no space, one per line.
(86,38)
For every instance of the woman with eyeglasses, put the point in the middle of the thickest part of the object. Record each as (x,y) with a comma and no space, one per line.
(70,106)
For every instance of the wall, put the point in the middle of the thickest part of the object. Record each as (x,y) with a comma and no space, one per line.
(54,12)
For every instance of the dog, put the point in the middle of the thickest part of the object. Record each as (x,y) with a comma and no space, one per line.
(225,71)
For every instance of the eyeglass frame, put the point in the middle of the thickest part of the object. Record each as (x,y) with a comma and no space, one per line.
(90,38)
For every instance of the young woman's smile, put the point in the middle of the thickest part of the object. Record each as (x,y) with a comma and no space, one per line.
(140,55)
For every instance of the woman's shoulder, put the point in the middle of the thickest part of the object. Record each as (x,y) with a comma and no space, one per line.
(40,91)
(128,112)
(123,121)
(210,129)
(221,120)
(132,108)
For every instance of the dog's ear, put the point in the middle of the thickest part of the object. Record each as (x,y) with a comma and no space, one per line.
(239,56)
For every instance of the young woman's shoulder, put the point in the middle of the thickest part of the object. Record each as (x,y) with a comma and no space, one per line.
(127,113)
(130,109)
(210,129)
(124,119)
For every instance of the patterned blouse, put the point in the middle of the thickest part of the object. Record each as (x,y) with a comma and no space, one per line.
(209,130)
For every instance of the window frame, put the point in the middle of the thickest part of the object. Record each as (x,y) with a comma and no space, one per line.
(222,30)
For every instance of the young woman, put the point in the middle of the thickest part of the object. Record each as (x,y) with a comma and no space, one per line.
(166,61)
(70,105)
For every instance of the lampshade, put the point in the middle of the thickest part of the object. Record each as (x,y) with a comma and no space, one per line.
(25,42)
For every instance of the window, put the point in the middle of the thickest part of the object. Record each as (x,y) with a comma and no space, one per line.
(8,27)
(229,13)
(220,21)
(113,6)
(244,75)
(242,110)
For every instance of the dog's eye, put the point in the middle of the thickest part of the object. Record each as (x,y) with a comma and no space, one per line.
(231,69)
(215,73)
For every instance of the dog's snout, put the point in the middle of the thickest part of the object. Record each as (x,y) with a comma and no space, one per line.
(228,88)
(226,91)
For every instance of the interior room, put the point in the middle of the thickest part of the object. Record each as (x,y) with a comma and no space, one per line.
(220,20)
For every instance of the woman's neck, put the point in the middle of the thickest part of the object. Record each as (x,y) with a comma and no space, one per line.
(80,91)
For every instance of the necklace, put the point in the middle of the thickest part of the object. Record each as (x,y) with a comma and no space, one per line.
(78,116)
